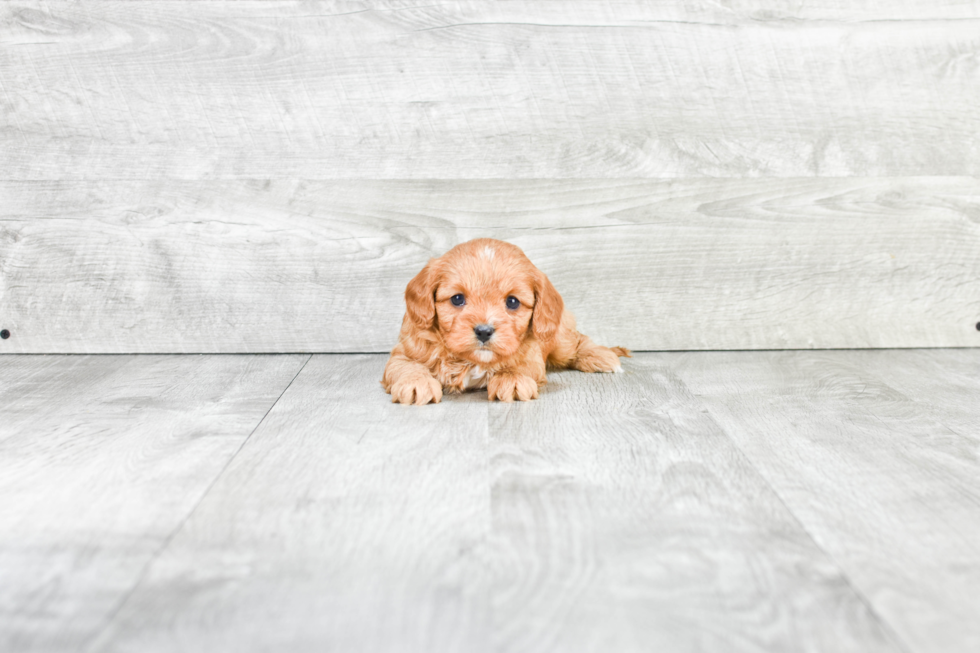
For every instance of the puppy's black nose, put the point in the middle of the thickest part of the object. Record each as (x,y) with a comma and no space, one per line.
(483,332)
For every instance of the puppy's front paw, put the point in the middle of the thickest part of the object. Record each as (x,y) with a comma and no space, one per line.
(416,389)
(508,387)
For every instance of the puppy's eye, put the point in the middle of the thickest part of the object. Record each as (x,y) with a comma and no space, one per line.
(513,302)
(457,300)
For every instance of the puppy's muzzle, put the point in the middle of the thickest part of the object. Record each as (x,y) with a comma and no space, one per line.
(483,332)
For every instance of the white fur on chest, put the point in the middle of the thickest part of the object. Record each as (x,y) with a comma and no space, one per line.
(476,377)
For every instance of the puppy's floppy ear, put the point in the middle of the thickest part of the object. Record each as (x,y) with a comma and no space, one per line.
(548,307)
(420,300)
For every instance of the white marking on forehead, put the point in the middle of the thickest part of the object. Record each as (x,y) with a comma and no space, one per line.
(487,253)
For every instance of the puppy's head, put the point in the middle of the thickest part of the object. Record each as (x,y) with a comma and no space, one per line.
(485,298)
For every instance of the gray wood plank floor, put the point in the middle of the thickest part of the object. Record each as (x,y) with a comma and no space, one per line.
(887,488)
(740,501)
(101,460)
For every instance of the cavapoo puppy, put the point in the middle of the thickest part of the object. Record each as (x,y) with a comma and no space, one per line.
(482,316)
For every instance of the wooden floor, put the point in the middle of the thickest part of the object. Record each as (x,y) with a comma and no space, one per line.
(740,501)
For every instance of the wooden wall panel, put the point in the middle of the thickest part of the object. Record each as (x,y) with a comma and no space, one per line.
(522,89)
(275,266)
(132,135)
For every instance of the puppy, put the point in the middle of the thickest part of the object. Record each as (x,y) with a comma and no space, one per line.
(482,316)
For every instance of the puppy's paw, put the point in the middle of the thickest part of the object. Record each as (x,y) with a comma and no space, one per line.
(508,387)
(600,359)
(416,389)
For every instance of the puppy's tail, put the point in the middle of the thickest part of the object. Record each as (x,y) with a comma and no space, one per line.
(622,351)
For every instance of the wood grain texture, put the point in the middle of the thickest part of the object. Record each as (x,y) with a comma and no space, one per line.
(624,519)
(346,523)
(756,501)
(892,494)
(101,458)
(943,384)
(529,89)
(610,515)
(277,266)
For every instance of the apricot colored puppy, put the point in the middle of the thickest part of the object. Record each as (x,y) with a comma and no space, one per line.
(482,316)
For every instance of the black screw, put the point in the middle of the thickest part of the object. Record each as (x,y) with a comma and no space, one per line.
(6,334)
(978,326)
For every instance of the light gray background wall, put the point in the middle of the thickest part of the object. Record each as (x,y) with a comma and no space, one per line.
(267,176)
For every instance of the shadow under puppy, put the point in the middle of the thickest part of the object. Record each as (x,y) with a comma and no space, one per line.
(482,316)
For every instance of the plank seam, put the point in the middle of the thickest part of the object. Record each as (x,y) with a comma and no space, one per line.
(180,526)
(886,627)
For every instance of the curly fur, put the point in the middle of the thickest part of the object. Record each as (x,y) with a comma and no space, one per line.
(438,350)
